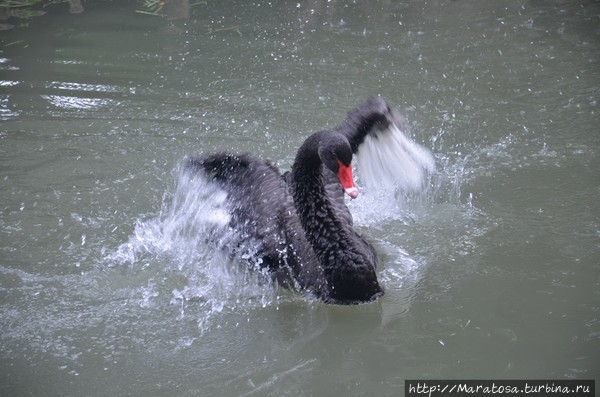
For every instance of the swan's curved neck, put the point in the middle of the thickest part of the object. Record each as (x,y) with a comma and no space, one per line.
(349,274)
(323,227)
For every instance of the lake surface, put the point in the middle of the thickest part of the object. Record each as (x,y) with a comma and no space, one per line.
(491,271)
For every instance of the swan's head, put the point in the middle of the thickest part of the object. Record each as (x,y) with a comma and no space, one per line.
(336,154)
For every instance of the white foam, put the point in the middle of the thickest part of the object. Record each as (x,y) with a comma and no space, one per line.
(390,160)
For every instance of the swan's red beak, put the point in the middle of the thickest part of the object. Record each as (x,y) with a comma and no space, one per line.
(345,175)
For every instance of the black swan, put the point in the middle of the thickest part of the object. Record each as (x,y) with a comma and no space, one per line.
(297,223)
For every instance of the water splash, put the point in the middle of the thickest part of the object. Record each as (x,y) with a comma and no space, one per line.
(181,245)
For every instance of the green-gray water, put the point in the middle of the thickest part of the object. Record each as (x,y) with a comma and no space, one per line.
(493,271)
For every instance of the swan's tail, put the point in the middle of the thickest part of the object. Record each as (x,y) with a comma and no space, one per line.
(388,159)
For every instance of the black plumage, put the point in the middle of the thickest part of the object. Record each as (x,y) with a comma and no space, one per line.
(297,224)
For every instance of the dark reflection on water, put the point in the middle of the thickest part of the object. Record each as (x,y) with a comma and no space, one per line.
(490,272)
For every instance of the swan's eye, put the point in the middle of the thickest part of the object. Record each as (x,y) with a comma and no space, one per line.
(334,158)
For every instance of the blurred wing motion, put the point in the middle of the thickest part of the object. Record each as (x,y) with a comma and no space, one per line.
(389,159)
(386,157)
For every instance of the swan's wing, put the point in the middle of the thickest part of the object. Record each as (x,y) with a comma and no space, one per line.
(257,199)
(369,118)
(386,157)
